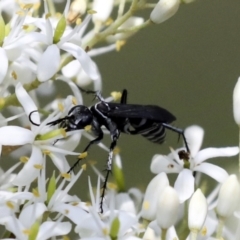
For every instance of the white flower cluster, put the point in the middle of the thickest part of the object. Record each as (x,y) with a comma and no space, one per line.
(39,49)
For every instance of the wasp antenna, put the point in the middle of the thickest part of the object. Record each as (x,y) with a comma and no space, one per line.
(30,120)
(87,91)
(58,121)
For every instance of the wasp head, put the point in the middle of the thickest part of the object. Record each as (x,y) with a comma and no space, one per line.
(78,118)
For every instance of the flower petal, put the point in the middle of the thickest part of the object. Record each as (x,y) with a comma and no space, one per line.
(71,69)
(14,135)
(162,163)
(50,229)
(184,185)
(35,211)
(4,64)
(103,10)
(60,162)
(215,172)
(27,103)
(13,225)
(153,191)
(236,102)
(70,211)
(194,136)
(86,62)
(48,63)
(215,152)
(27,39)
(29,172)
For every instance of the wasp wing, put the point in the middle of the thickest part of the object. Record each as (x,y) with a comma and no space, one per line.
(150,112)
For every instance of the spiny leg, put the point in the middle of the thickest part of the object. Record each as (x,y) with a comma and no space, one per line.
(179,131)
(108,169)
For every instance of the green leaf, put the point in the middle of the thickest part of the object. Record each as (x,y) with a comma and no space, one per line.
(34,231)
(51,187)
(2,30)
(119,177)
(59,29)
(114,228)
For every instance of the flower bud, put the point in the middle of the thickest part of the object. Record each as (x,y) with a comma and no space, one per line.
(236,102)
(194,135)
(197,211)
(154,189)
(229,197)
(103,9)
(167,208)
(163,10)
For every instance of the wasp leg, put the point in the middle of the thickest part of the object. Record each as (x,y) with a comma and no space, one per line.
(124,97)
(109,168)
(180,132)
(94,141)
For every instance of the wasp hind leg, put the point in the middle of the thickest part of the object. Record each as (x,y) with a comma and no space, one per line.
(180,132)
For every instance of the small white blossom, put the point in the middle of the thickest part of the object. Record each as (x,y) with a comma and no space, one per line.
(197,211)
(229,197)
(103,10)
(185,180)
(236,102)
(163,10)
(167,208)
(153,191)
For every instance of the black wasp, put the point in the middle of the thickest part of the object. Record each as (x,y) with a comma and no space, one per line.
(148,120)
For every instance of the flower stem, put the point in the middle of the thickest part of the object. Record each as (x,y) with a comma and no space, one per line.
(135,28)
(220,228)
(164,234)
(193,234)
(112,28)
(51,7)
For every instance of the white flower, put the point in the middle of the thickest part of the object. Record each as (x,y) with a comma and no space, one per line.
(153,191)
(10,201)
(154,232)
(167,208)
(103,10)
(185,180)
(6,178)
(229,197)
(236,102)
(112,223)
(27,221)
(197,211)
(14,135)
(163,10)
(50,60)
